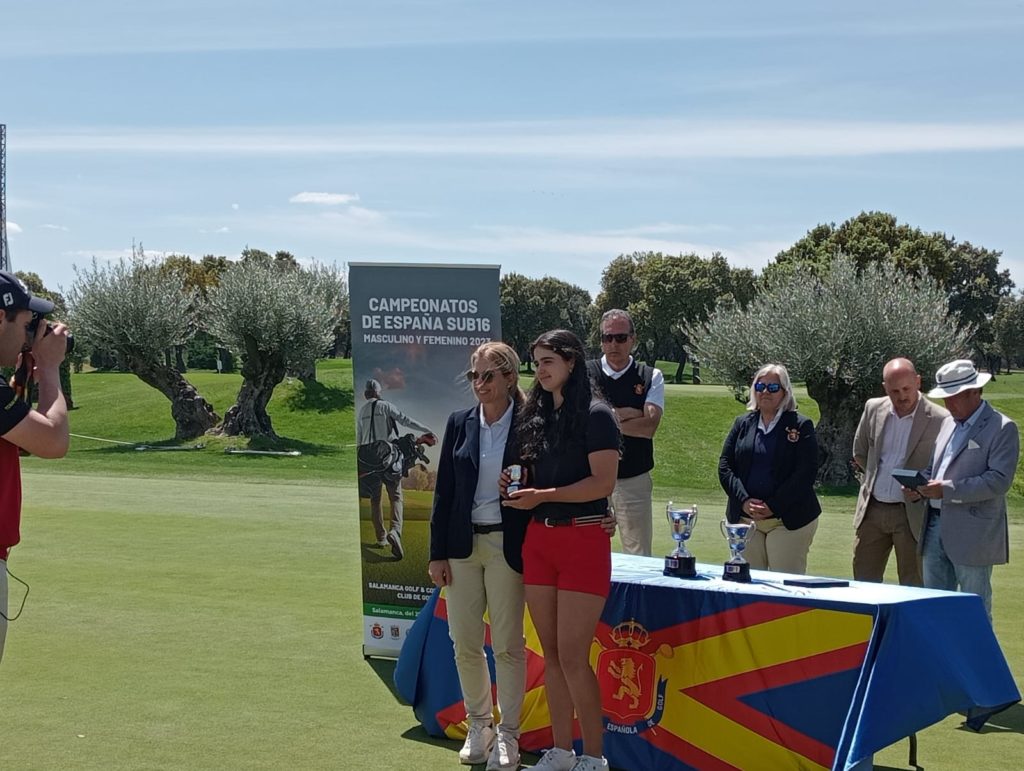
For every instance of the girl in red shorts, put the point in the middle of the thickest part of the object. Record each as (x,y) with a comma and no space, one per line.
(569,442)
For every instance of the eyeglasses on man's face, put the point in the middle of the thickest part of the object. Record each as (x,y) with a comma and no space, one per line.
(772,388)
(484,377)
(618,337)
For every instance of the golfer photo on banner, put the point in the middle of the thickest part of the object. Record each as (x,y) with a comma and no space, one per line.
(413,330)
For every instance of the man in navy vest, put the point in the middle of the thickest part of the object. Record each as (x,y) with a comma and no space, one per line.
(637,392)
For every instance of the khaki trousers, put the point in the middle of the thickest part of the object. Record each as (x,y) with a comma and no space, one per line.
(773,547)
(884,528)
(631,500)
(484,582)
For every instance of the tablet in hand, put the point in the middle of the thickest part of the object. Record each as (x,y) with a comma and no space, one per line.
(909,477)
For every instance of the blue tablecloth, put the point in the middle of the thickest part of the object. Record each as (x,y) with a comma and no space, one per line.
(711,674)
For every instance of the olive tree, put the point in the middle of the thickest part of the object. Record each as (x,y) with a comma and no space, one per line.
(275,317)
(833,329)
(137,311)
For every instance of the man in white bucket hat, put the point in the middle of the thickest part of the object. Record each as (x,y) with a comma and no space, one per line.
(972,469)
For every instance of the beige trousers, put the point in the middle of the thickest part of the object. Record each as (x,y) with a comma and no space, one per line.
(884,528)
(484,582)
(773,547)
(631,500)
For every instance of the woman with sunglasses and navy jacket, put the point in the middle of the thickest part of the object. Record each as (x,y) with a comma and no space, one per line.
(476,552)
(767,468)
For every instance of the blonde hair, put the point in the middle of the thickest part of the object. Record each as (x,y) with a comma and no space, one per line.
(508,364)
(789,403)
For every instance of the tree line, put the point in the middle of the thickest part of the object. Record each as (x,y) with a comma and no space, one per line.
(833,307)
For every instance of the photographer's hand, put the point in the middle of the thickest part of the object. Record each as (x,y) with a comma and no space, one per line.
(49,348)
(44,430)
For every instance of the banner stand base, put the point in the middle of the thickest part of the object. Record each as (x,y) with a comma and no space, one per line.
(373,652)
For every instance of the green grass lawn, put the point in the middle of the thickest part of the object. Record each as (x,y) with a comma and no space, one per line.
(203,611)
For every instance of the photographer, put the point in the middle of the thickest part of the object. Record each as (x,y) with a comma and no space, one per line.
(43,430)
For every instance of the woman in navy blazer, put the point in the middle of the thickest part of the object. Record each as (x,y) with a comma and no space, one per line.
(476,552)
(767,468)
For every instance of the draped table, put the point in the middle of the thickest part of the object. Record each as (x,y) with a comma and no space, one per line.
(711,674)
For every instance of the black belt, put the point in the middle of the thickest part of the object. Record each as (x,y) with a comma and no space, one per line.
(591,519)
(885,503)
(485,529)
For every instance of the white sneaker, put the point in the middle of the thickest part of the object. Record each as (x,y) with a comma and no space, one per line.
(478,744)
(557,759)
(590,763)
(504,753)
(396,545)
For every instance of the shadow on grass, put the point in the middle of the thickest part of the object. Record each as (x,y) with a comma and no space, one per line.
(385,671)
(375,555)
(419,734)
(1009,721)
(218,445)
(319,397)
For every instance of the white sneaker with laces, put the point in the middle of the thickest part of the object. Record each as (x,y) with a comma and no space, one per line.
(590,763)
(504,753)
(478,744)
(557,759)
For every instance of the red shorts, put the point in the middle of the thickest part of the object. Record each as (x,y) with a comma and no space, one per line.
(572,558)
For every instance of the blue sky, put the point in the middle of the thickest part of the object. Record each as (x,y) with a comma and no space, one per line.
(546,137)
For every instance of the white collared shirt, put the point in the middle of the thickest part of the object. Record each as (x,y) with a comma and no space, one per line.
(760,424)
(895,436)
(655,394)
(955,440)
(486,508)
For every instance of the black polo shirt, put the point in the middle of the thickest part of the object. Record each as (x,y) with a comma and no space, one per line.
(572,463)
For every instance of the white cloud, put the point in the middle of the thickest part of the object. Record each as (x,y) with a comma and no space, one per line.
(324,199)
(662,228)
(49,226)
(234,207)
(654,139)
(364,214)
(13,227)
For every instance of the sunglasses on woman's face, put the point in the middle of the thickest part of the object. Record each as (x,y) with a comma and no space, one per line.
(772,388)
(619,337)
(484,377)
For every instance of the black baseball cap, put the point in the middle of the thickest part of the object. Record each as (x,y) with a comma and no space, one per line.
(14,294)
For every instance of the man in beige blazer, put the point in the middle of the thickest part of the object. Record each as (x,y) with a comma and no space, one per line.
(897,430)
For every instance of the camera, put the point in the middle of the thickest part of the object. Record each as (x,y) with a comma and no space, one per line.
(33,325)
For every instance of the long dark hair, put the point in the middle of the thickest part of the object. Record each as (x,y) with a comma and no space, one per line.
(538,428)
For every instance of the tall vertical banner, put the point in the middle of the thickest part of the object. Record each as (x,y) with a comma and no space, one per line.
(413,330)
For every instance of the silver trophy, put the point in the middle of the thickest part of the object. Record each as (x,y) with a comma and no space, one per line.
(680,563)
(738,536)
(515,476)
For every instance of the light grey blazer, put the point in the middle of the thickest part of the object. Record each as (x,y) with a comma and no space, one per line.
(973,521)
(867,448)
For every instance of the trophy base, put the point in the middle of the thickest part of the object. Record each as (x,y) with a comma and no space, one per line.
(737,571)
(680,567)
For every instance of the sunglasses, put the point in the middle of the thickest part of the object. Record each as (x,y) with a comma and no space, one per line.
(619,337)
(484,377)
(772,388)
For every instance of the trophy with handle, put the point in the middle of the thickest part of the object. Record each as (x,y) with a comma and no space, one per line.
(680,563)
(738,535)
